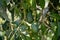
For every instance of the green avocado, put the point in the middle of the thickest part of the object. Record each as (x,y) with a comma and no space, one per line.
(29,16)
(23,27)
(35,27)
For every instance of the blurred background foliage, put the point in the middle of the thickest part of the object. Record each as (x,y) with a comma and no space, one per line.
(29,19)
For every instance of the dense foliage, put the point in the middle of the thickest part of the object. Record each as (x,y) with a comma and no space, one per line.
(29,19)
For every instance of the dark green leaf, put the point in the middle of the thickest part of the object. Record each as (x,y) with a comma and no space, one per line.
(42,3)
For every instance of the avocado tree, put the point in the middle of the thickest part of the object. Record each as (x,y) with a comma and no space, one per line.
(29,19)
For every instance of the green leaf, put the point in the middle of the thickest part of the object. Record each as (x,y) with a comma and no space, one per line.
(34,4)
(53,26)
(55,15)
(43,28)
(16,11)
(42,3)
(28,38)
(25,4)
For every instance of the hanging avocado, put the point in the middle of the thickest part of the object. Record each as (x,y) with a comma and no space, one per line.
(35,27)
(23,28)
(29,16)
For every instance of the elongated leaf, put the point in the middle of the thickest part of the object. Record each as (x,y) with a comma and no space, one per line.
(42,3)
